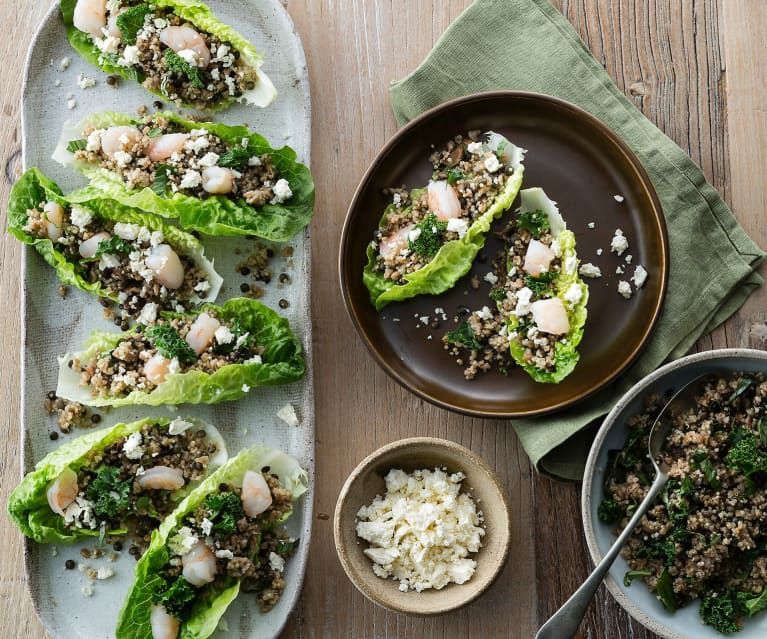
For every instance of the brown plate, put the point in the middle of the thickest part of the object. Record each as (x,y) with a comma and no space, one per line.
(581,164)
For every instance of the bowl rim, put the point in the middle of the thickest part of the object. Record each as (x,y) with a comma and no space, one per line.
(438,444)
(632,159)
(587,494)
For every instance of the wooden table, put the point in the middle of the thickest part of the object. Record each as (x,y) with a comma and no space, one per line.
(696,68)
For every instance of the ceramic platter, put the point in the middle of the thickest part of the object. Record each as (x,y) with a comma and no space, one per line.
(54,324)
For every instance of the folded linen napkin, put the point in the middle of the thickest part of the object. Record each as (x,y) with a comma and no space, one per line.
(482,50)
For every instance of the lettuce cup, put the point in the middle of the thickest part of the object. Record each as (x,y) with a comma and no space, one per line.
(176,49)
(118,480)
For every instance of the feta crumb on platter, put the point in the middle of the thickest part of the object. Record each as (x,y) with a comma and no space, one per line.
(590,270)
(288,415)
(422,530)
(640,276)
(619,242)
(624,288)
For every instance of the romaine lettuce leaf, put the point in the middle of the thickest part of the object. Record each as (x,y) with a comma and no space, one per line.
(133,622)
(28,504)
(565,349)
(216,214)
(33,188)
(282,362)
(198,14)
(454,258)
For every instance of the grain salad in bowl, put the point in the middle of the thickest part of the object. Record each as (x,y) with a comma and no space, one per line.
(116,481)
(176,49)
(214,178)
(122,255)
(216,354)
(428,238)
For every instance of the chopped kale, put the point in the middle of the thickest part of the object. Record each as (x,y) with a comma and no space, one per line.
(429,240)
(286,548)
(76,145)
(536,222)
(176,64)
(700,460)
(155,133)
(722,610)
(239,334)
(131,21)
(665,590)
(464,336)
(235,158)
(540,283)
(498,294)
(170,344)
(609,511)
(225,509)
(747,456)
(160,184)
(177,598)
(453,175)
(635,574)
(110,495)
(113,245)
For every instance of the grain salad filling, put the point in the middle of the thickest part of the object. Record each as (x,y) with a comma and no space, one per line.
(161,154)
(134,265)
(184,63)
(146,357)
(706,537)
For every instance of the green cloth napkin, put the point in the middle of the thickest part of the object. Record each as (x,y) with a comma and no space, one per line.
(528,45)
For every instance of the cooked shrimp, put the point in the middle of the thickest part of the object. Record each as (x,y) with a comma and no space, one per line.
(156,368)
(199,565)
(89,247)
(256,496)
(164,262)
(163,146)
(443,200)
(202,332)
(63,491)
(119,138)
(112,28)
(550,316)
(90,16)
(54,215)
(164,626)
(394,243)
(184,38)
(217,180)
(161,478)
(538,258)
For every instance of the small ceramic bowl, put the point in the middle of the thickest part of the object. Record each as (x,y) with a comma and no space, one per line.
(367,480)
(636,599)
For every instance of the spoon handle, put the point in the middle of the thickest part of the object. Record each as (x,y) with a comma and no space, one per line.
(564,622)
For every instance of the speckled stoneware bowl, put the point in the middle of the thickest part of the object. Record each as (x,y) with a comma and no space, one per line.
(367,480)
(637,599)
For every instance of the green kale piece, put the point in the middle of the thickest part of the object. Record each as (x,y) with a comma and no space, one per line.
(235,158)
(609,511)
(113,245)
(238,332)
(225,510)
(665,590)
(536,222)
(453,175)
(464,336)
(635,574)
(747,456)
(160,184)
(701,460)
(176,598)
(170,344)
(539,284)
(110,495)
(130,22)
(722,610)
(430,239)
(76,145)
(498,294)
(176,64)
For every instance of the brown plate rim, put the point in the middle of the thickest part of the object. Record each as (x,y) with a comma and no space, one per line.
(657,217)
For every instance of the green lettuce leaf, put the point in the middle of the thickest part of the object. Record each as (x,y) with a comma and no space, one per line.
(454,258)
(133,622)
(33,188)
(217,214)
(565,350)
(198,14)
(28,504)
(282,362)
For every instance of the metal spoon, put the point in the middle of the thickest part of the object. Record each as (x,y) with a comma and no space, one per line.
(564,622)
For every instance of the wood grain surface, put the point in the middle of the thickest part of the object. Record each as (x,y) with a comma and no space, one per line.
(696,68)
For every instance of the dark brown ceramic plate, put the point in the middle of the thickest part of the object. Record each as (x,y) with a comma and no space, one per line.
(581,164)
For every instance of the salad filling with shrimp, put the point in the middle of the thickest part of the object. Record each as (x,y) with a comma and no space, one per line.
(120,480)
(120,254)
(216,178)
(213,355)
(174,48)
(225,537)
(428,238)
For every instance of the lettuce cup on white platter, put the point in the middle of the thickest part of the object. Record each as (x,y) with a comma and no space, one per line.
(176,49)
(428,238)
(225,539)
(212,178)
(208,356)
(118,253)
(115,481)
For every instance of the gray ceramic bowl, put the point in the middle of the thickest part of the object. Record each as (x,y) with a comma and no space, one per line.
(636,599)
(367,480)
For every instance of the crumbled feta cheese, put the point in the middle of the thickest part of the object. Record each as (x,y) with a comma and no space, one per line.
(148,314)
(288,415)
(475,148)
(422,530)
(57,82)
(71,103)
(206,526)
(123,158)
(174,366)
(107,261)
(191,178)
(64,64)
(256,359)
(183,541)
(640,276)
(491,278)
(628,258)
(282,191)
(224,335)
(254,160)
(492,164)
(231,85)
(156,237)
(276,562)
(484,313)
(126,231)
(87,590)
(130,56)
(197,143)
(224,554)
(159,23)
(599,251)
(107,45)
(619,242)
(245,388)
(104,572)
(413,235)
(523,302)
(624,288)
(590,270)
(80,513)
(618,198)
(189,56)
(619,270)
(85,82)
(574,294)
(458,225)
(113,5)
(80,216)
(591,225)
(178,426)
(209,159)
(241,340)
(424,319)
(202,287)
(132,448)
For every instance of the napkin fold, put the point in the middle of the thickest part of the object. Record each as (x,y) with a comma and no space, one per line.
(528,45)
